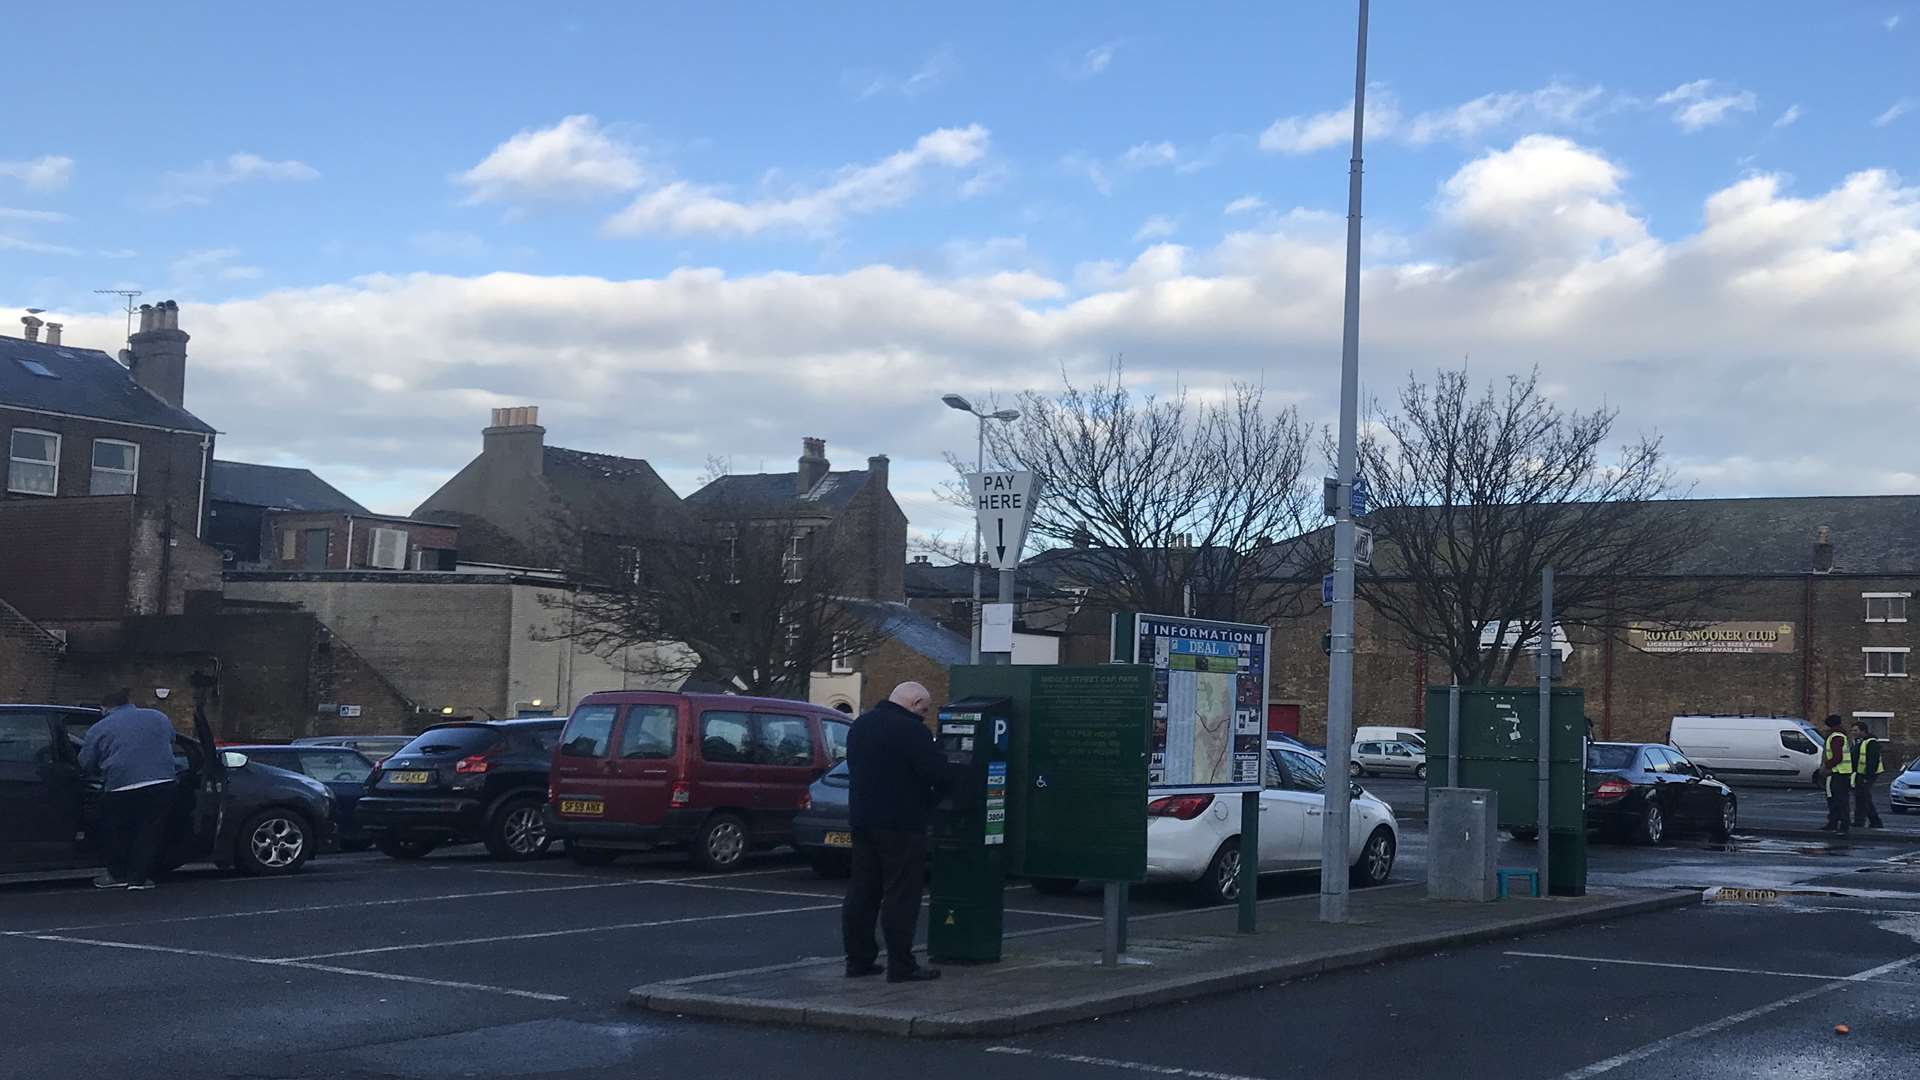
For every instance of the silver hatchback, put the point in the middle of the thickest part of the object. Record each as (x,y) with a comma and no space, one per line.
(1388,758)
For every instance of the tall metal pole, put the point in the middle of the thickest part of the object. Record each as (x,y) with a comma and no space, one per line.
(1546,720)
(1334,841)
(979,466)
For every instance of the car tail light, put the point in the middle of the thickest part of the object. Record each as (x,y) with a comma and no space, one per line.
(681,794)
(473,763)
(1612,788)
(1183,807)
(549,790)
(806,801)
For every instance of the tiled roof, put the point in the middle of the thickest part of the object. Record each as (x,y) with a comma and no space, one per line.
(275,487)
(772,494)
(82,382)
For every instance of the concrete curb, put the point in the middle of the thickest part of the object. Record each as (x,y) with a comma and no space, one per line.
(679,997)
(1862,836)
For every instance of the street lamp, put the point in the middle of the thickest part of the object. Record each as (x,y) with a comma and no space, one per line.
(955,401)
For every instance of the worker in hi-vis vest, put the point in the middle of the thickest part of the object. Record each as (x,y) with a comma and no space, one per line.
(1837,763)
(1868,760)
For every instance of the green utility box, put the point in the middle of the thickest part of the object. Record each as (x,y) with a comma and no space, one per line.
(968,832)
(1500,749)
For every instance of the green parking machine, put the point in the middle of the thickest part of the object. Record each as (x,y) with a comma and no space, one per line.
(968,833)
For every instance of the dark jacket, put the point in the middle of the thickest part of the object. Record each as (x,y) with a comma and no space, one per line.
(129,746)
(895,772)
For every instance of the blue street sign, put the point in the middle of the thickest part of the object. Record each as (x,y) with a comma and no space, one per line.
(1358,504)
(1326,591)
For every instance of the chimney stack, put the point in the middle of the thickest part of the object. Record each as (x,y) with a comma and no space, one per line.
(159,348)
(1823,550)
(53,333)
(813,464)
(877,471)
(515,440)
(32,324)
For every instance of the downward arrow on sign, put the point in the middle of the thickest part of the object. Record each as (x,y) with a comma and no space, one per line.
(1001,547)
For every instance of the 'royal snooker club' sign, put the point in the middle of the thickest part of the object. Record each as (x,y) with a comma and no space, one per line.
(1720,637)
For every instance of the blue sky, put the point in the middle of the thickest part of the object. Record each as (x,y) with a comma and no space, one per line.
(381,219)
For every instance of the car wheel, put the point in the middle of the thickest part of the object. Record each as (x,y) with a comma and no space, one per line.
(721,844)
(830,863)
(591,856)
(1729,821)
(1354,769)
(1419,772)
(519,829)
(1376,860)
(1653,824)
(1524,833)
(405,847)
(1054,886)
(1221,885)
(273,841)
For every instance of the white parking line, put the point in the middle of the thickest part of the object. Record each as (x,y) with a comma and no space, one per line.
(1112,1063)
(384,976)
(535,935)
(1678,967)
(1661,1046)
(745,889)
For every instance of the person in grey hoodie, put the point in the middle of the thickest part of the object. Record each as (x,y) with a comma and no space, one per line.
(132,750)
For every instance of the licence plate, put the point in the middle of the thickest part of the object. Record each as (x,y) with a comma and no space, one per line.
(839,839)
(410,778)
(586,807)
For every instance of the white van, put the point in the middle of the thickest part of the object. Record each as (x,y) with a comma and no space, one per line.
(1777,749)
(1412,736)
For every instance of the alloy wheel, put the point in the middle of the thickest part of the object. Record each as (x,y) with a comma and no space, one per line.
(1229,880)
(526,830)
(277,842)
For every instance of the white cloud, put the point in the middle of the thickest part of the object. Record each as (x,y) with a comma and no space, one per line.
(986,180)
(8,213)
(1790,117)
(939,68)
(575,157)
(1149,155)
(683,207)
(1555,106)
(1095,60)
(1702,104)
(1320,131)
(1535,256)
(1092,168)
(1894,112)
(1157,227)
(239,169)
(1891,22)
(47,173)
(34,247)
(1245,204)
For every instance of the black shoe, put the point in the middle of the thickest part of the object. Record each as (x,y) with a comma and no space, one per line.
(861,971)
(108,881)
(919,974)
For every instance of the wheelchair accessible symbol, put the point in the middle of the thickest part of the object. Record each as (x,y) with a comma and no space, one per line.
(1040,781)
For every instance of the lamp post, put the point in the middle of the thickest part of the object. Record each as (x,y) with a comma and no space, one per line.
(955,401)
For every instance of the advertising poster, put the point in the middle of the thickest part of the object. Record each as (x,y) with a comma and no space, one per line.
(1209,703)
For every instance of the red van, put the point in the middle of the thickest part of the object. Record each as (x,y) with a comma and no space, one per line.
(714,773)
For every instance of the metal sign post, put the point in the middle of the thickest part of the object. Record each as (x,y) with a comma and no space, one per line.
(1546,658)
(1003,504)
(1453,735)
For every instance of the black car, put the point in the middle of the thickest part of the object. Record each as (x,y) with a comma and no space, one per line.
(462,782)
(343,771)
(1643,791)
(823,831)
(228,811)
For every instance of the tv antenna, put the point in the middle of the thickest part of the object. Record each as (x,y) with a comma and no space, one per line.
(130,295)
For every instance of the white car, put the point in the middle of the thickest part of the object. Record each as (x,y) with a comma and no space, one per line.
(1196,838)
(1905,793)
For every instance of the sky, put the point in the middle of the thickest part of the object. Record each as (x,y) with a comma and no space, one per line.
(707,231)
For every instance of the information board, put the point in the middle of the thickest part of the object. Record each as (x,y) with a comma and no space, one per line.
(1209,703)
(1086,776)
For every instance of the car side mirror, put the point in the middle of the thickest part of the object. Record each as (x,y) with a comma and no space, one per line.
(233,759)
(1354,787)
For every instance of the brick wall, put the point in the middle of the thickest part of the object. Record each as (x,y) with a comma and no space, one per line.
(67,558)
(889,664)
(349,539)
(170,470)
(29,658)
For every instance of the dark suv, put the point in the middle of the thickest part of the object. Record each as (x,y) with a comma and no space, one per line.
(458,783)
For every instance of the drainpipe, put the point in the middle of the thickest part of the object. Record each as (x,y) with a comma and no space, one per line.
(1806,653)
(349,565)
(200,518)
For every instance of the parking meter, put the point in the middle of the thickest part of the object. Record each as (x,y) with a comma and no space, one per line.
(968,832)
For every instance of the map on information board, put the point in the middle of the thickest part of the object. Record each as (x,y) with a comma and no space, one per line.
(1209,702)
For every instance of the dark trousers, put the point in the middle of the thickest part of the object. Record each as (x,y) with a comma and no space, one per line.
(136,825)
(889,872)
(1839,802)
(1864,812)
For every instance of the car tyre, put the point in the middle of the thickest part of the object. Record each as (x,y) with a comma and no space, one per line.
(1729,820)
(1221,883)
(1354,769)
(273,842)
(591,856)
(1899,809)
(1653,824)
(830,863)
(1524,833)
(1054,886)
(721,844)
(1419,772)
(405,847)
(518,831)
(1376,860)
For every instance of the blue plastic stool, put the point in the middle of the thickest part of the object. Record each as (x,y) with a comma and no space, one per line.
(1508,875)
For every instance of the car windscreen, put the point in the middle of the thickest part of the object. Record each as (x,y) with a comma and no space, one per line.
(1611,758)
(448,741)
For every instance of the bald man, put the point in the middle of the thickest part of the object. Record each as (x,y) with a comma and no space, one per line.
(896,774)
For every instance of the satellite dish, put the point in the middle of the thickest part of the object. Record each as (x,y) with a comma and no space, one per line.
(36,310)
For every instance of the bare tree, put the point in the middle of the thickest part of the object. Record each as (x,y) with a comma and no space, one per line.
(764,601)
(1476,494)
(1178,505)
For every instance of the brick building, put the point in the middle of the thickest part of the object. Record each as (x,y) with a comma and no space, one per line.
(241,498)
(333,540)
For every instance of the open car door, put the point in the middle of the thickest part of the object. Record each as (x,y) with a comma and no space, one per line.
(210,777)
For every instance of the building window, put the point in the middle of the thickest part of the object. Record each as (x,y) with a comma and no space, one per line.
(1886,663)
(1877,725)
(627,564)
(842,654)
(793,564)
(33,462)
(1886,606)
(289,545)
(387,550)
(116,467)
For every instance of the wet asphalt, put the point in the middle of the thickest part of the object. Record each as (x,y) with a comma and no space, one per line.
(458,966)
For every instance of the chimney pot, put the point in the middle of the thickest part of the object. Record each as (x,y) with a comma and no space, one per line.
(516,439)
(814,465)
(53,333)
(1822,550)
(159,348)
(33,327)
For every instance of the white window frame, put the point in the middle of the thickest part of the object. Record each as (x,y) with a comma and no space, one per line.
(36,462)
(94,468)
(842,654)
(1890,650)
(1870,597)
(626,559)
(375,537)
(793,564)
